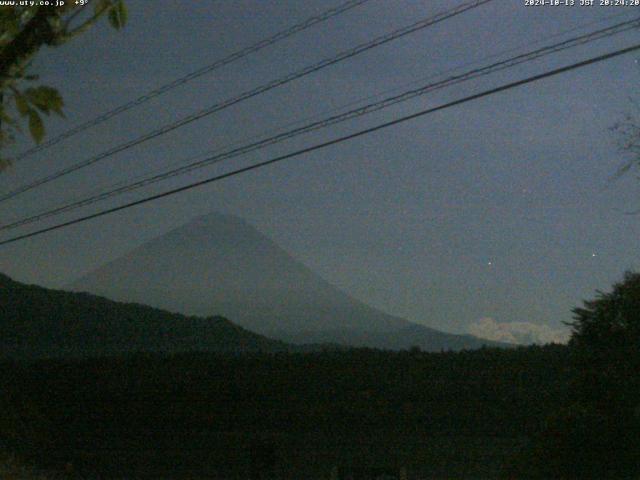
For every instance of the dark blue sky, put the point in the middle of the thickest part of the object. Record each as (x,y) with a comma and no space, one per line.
(501,208)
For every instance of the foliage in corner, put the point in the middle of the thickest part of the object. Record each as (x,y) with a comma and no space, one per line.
(24,30)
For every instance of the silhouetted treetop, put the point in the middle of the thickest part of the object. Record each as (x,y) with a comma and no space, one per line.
(612,319)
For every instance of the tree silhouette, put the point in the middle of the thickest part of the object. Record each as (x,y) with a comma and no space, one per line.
(606,345)
(595,436)
(612,319)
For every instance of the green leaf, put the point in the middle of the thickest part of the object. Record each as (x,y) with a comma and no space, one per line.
(36,127)
(45,99)
(22,105)
(118,15)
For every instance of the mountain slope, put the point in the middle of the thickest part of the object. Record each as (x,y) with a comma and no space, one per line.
(36,322)
(219,264)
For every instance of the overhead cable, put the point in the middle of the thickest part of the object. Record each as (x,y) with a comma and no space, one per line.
(309,22)
(249,94)
(326,144)
(354,113)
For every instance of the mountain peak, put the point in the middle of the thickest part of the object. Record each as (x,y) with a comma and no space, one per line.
(216,219)
(219,264)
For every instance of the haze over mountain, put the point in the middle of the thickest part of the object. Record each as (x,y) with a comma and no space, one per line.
(39,322)
(220,265)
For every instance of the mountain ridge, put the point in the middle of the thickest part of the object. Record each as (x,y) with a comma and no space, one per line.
(39,322)
(220,264)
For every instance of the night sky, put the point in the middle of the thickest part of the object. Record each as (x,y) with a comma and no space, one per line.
(504,207)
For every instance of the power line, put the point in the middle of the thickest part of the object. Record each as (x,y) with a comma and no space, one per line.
(360,111)
(309,22)
(252,93)
(335,141)
(606,32)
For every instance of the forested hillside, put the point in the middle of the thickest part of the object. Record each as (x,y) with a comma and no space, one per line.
(39,322)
